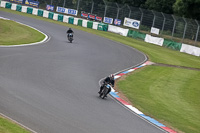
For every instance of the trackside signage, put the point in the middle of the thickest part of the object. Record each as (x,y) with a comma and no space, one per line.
(108,20)
(131,23)
(66,11)
(32,3)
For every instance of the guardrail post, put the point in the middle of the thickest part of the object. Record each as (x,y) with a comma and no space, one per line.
(197,32)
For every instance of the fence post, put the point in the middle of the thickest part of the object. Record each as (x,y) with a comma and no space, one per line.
(129,15)
(51,2)
(197,32)
(163,23)
(64,3)
(117,11)
(105,8)
(141,16)
(92,6)
(173,26)
(184,29)
(78,4)
(154,18)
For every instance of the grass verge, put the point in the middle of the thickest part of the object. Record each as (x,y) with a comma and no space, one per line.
(168,94)
(7,126)
(12,33)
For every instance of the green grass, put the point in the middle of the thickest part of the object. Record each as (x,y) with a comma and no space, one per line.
(12,33)
(9,127)
(170,95)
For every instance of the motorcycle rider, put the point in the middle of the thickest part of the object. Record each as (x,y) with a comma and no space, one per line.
(69,31)
(109,80)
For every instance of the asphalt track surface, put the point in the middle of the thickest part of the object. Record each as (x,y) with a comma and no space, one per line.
(52,87)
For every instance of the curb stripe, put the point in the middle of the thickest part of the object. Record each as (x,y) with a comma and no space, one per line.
(152,120)
(122,101)
(114,94)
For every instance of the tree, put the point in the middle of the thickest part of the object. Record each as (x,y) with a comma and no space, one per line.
(160,5)
(135,3)
(187,8)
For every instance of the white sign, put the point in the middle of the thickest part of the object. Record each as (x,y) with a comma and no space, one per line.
(108,20)
(131,23)
(155,30)
(67,11)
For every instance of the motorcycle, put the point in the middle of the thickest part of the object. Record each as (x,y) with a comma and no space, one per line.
(70,37)
(105,90)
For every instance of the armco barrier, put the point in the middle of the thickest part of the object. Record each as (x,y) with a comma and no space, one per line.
(3,4)
(190,50)
(71,20)
(118,30)
(80,22)
(90,24)
(154,40)
(40,12)
(29,10)
(8,5)
(50,15)
(60,17)
(19,8)
(35,11)
(75,21)
(84,24)
(14,7)
(55,16)
(66,19)
(46,14)
(172,45)
(95,25)
(136,34)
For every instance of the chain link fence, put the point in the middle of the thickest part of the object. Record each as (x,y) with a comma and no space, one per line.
(171,27)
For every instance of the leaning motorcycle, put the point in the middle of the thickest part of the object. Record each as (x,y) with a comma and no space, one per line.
(105,90)
(70,37)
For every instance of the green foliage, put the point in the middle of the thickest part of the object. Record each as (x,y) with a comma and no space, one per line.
(160,5)
(187,8)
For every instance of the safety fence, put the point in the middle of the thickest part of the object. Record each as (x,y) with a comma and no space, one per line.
(104,27)
(175,28)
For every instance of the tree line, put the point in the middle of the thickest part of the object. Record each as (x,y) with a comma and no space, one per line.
(183,8)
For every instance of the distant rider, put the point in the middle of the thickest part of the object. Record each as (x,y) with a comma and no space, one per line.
(69,31)
(108,80)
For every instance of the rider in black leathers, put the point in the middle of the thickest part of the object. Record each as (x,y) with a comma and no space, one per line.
(69,31)
(109,80)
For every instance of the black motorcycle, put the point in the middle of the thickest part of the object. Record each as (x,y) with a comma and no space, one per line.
(70,37)
(105,90)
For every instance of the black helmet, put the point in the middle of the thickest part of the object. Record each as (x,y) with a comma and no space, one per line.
(70,29)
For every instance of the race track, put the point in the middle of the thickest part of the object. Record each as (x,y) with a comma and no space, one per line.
(52,87)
